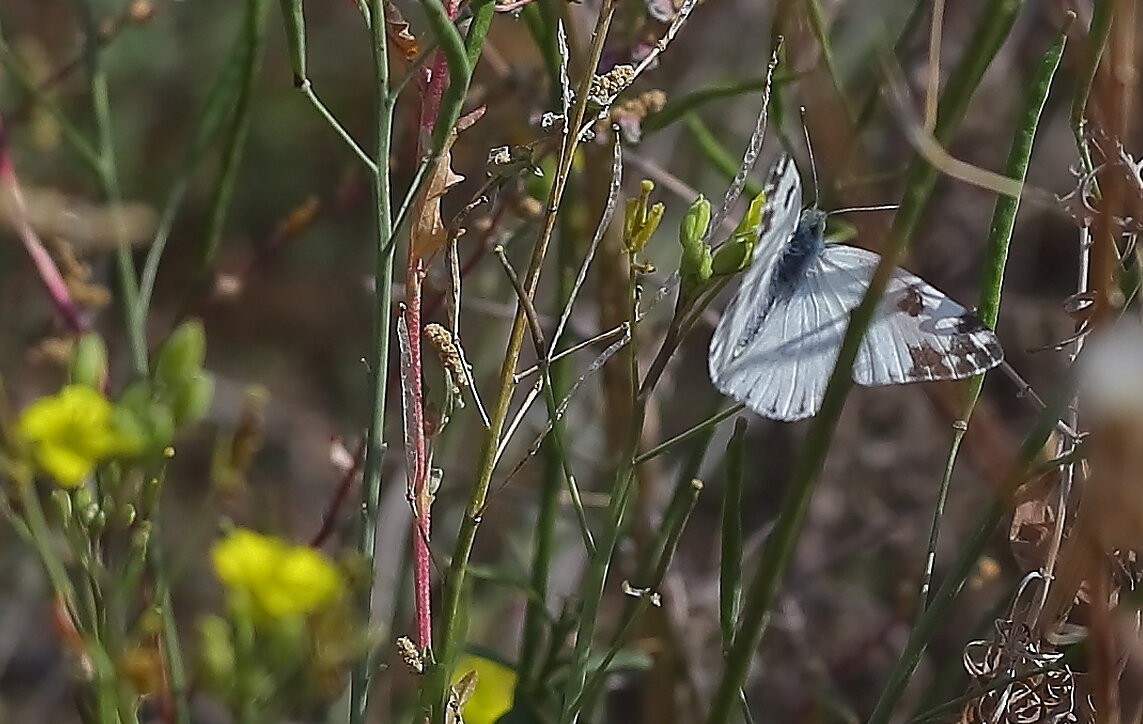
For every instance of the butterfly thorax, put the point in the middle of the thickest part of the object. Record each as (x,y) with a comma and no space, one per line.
(799,253)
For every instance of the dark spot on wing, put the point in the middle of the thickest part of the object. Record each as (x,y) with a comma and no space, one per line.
(969,323)
(911,302)
(963,354)
(928,363)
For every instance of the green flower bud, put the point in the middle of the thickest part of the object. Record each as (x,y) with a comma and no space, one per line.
(125,516)
(82,499)
(62,501)
(181,356)
(695,268)
(695,222)
(216,654)
(641,219)
(88,514)
(191,400)
(89,361)
(734,256)
(752,219)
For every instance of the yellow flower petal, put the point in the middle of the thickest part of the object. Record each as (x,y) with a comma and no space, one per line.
(71,432)
(64,464)
(495,687)
(279,580)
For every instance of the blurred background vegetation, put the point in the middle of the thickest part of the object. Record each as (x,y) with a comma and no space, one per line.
(287,307)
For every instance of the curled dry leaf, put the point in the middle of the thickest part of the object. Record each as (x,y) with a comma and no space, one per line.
(399,33)
(429,234)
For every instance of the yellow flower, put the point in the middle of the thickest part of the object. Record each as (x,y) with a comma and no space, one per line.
(495,686)
(71,432)
(275,579)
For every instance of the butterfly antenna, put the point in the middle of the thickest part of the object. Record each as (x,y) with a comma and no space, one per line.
(810,148)
(882,207)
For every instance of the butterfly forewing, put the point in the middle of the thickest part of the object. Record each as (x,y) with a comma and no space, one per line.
(739,322)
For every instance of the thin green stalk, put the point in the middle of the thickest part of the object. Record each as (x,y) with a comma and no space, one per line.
(684,106)
(715,152)
(466,537)
(702,427)
(219,105)
(651,575)
(254,41)
(937,612)
(107,168)
(730,560)
(342,133)
(379,363)
(996,257)
(992,28)
(1097,34)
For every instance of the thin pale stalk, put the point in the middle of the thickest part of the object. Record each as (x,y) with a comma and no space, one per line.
(652,572)
(992,29)
(379,359)
(454,585)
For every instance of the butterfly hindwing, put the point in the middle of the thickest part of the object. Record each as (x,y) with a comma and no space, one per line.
(918,333)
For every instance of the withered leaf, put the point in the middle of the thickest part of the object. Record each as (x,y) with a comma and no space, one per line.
(399,34)
(429,234)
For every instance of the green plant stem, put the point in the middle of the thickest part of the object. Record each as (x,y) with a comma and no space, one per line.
(970,551)
(652,573)
(996,256)
(455,582)
(253,42)
(218,106)
(540,21)
(308,91)
(682,107)
(687,434)
(109,180)
(382,328)
(715,152)
(992,29)
(730,561)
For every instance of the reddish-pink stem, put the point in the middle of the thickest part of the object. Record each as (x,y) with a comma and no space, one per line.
(422,560)
(49,273)
(432,92)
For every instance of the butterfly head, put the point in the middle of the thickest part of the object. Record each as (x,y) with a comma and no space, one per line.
(813,222)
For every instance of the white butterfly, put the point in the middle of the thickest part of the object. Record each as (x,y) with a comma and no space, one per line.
(778,340)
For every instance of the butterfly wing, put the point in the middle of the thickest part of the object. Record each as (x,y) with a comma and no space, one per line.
(783,371)
(783,194)
(918,333)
